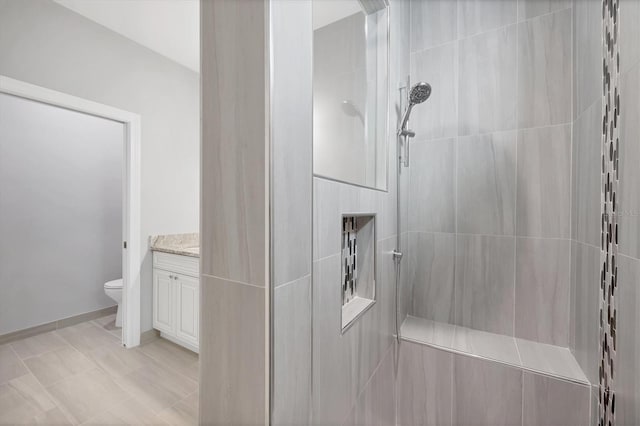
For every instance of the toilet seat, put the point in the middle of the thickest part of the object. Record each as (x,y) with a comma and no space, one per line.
(113,284)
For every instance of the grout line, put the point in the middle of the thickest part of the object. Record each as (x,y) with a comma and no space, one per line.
(95,366)
(297,280)
(515,342)
(327,257)
(166,365)
(522,237)
(175,404)
(368,382)
(227,280)
(45,390)
(517,22)
(516,129)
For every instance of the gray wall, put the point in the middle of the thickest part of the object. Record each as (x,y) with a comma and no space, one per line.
(353,373)
(585,188)
(437,387)
(61,204)
(234,373)
(48,45)
(489,192)
(291,210)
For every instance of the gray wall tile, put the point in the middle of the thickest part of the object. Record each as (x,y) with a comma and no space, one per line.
(486,393)
(543,268)
(431,271)
(424,386)
(544,70)
(406,286)
(487,82)
(629,34)
(233,174)
(594,406)
(292,353)
(628,339)
(332,365)
(333,199)
(291,140)
(484,280)
(438,66)
(343,363)
(628,193)
(528,9)
(432,198)
(486,184)
(376,405)
(585,182)
(232,353)
(552,402)
(432,23)
(544,182)
(475,16)
(585,306)
(327,218)
(587,53)
(233,375)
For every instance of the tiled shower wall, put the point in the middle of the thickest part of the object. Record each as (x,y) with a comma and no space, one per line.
(291,210)
(353,373)
(586,193)
(627,381)
(585,187)
(489,198)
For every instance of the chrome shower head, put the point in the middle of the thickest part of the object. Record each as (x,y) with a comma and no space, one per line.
(420,92)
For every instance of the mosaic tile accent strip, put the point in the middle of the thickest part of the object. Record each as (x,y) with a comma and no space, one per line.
(609,223)
(349,258)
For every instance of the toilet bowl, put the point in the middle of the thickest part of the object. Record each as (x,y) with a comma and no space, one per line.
(113,289)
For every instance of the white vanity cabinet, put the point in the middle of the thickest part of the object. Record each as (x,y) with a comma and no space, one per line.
(176,298)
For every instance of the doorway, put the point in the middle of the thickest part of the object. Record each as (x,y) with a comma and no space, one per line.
(131,259)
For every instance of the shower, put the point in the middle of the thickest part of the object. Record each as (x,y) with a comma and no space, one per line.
(419,93)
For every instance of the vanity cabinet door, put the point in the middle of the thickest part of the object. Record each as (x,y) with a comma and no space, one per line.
(163,301)
(188,301)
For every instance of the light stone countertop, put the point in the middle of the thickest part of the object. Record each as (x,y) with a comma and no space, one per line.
(180,244)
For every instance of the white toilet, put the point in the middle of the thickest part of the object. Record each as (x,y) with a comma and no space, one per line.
(113,289)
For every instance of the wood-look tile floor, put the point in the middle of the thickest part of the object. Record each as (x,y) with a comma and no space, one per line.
(82,375)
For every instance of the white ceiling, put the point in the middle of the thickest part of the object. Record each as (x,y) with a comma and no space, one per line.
(168,27)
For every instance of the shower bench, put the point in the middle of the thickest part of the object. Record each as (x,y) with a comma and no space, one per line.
(450,375)
(536,357)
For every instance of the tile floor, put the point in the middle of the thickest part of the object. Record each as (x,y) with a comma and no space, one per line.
(81,375)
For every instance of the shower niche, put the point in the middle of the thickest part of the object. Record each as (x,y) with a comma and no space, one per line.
(358,277)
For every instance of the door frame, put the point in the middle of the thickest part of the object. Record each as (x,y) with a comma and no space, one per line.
(131,255)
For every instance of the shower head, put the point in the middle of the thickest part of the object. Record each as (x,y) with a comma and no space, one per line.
(419,93)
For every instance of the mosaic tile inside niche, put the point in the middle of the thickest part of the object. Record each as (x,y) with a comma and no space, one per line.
(349,259)
(609,223)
